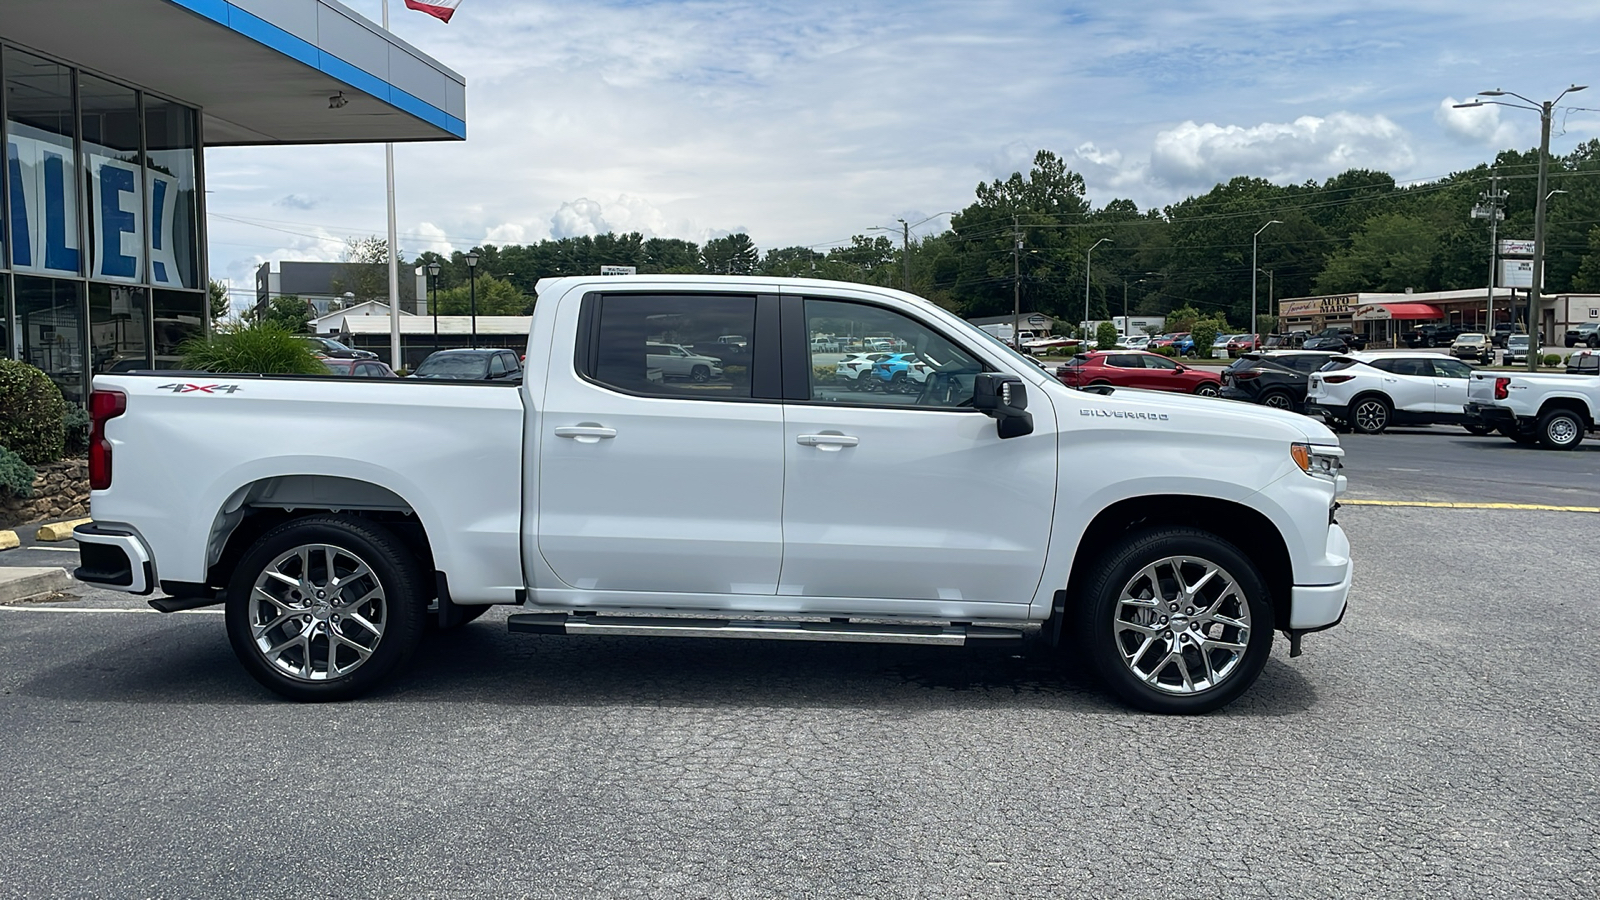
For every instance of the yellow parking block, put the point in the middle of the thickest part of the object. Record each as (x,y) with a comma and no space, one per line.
(8,540)
(1437,504)
(59,531)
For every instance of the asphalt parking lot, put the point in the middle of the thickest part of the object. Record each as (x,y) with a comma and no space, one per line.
(1439,743)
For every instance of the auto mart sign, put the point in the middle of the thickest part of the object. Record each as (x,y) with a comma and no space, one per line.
(1318,306)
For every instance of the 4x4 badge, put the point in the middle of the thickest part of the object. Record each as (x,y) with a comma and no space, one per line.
(177,388)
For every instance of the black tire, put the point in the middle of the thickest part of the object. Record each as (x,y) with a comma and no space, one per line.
(699,374)
(1560,429)
(898,384)
(1207,389)
(1104,624)
(1594,343)
(1370,414)
(864,380)
(398,615)
(1278,400)
(1479,430)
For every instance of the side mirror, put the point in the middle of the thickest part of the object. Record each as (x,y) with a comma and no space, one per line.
(1178,370)
(1003,398)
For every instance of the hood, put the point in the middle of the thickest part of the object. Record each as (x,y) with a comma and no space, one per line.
(1199,414)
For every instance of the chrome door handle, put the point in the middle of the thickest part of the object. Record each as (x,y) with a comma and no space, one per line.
(827,441)
(585,434)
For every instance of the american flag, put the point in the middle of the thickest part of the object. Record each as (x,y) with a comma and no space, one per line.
(439,9)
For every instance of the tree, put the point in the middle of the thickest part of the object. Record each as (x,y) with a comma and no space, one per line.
(1588,276)
(496,297)
(1391,252)
(288,313)
(365,272)
(1183,318)
(220,307)
(1105,337)
(735,254)
(1204,333)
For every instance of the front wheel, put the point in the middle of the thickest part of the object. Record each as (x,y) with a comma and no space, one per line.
(1207,389)
(1176,620)
(1560,429)
(1370,415)
(700,374)
(325,607)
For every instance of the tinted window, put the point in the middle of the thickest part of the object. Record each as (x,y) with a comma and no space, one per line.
(642,339)
(1124,361)
(497,365)
(1414,367)
(940,375)
(1158,362)
(448,365)
(1303,363)
(1451,368)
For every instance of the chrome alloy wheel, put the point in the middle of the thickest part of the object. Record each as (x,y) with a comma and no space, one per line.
(1182,625)
(317,612)
(1371,416)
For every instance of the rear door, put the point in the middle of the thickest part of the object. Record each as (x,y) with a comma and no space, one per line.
(1408,382)
(655,484)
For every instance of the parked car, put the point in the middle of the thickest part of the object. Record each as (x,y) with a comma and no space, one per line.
(1551,410)
(1136,342)
(1276,378)
(1219,346)
(824,345)
(332,349)
(1587,333)
(856,369)
(1243,343)
(1338,340)
(1516,353)
(361,368)
(1161,540)
(1137,369)
(481,364)
(1475,347)
(1502,330)
(677,361)
(1368,393)
(1292,340)
(901,372)
(725,352)
(1432,335)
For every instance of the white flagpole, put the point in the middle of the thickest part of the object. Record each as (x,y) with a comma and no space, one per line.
(394,248)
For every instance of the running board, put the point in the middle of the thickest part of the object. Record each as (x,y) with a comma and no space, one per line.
(953,635)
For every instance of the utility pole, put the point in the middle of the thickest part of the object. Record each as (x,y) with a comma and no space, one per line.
(1534,300)
(1488,207)
(1016,284)
(1088,262)
(1255,266)
(905,251)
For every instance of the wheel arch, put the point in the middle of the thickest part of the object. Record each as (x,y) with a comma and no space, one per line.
(1572,404)
(1242,526)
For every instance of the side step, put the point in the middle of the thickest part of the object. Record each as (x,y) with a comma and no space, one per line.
(953,635)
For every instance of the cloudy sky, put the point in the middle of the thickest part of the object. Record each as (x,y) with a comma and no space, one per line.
(805,123)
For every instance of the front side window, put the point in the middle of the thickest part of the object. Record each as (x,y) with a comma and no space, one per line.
(1451,368)
(935,373)
(1159,362)
(497,365)
(652,344)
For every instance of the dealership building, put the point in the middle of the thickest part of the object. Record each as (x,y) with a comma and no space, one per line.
(106,109)
(1383,317)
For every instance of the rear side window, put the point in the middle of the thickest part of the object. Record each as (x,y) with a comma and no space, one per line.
(1413,367)
(643,345)
(1334,365)
(1305,364)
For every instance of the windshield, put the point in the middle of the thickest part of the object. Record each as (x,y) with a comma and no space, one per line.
(454,367)
(1518,340)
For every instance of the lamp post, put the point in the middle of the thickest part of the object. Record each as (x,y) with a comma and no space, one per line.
(472,291)
(433,300)
(1127,326)
(1088,260)
(1254,267)
(1544,110)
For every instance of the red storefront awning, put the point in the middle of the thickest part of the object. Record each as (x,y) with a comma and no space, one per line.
(1409,311)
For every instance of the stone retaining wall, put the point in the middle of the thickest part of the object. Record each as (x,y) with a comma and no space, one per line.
(61,491)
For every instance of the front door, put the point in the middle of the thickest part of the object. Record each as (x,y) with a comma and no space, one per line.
(910,496)
(1450,378)
(657,480)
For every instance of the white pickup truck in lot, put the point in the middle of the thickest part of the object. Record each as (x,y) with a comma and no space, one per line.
(1549,409)
(1165,537)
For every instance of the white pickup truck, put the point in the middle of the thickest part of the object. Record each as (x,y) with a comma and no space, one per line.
(1549,409)
(1165,537)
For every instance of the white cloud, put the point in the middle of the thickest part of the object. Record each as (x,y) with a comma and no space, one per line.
(1309,147)
(1478,125)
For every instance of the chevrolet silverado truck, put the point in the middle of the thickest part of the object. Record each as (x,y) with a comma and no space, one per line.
(1551,410)
(1164,538)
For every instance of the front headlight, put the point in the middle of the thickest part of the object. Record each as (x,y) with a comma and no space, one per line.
(1319,460)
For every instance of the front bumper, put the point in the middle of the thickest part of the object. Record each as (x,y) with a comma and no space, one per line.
(1317,606)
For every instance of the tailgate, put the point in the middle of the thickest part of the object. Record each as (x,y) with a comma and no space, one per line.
(1480,387)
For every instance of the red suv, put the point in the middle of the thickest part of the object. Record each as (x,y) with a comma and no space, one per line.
(1136,369)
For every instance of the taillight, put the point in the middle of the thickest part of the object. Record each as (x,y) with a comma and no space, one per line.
(1246,375)
(1502,387)
(1337,379)
(104,405)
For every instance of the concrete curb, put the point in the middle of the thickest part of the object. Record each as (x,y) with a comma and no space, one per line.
(9,540)
(59,531)
(19,582)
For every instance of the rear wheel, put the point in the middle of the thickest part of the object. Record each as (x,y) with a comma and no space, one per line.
(325,607)
(1560,429)
(1278,400)
(1207,389)
(700,374)
(1176,620)
(1370,415)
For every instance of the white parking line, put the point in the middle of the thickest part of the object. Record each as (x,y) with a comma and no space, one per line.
(75,549)
(91,609)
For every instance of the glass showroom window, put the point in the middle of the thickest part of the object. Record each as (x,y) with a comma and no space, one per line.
(117,327)
(40,179)
(178,316)
(170,179)
(115,180)
(50,330)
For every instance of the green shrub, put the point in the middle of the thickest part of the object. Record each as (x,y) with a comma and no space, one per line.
(1105,337)
(31,414)
(1204,334)
(823,374)
(16,476)
(76,422)
(1551,359)
(261,348)
(1167,350)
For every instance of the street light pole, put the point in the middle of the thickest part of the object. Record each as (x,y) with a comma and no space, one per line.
(1254,268)
(1544,110)
(1088,261)
(472,280)
(433,300)
(1488,207)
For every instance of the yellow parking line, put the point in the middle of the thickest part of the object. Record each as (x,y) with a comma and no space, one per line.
(1435,504)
